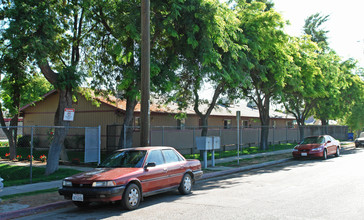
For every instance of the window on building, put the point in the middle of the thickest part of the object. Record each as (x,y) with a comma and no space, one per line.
(181,123)
(227,123)
(137,121)
(245,124)
(289,124)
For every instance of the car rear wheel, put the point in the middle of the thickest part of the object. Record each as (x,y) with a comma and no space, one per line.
(324,156)
(81,204)
(337,152)
(131,198)
(185,186)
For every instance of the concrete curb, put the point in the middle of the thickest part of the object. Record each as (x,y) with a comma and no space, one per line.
(34,210)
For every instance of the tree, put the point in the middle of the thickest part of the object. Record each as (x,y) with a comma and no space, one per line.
(207,44)
(52,37)
(116,62)
(304,82)
(14,62)
(267,58)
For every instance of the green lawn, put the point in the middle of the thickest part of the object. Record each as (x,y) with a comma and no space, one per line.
(244,151)
(18,175)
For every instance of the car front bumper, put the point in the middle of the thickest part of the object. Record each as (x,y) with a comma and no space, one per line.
(95,194)
(359,143)
(197,174)
(309,154)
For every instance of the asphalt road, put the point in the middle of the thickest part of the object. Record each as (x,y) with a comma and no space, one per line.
(305,189)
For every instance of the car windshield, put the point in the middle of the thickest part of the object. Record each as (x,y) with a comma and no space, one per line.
(361,134)
(313,140)
(126,158)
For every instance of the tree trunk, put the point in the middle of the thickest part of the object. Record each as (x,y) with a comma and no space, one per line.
(12,133)
(324,123)
(204,124)
(263,107)
(128,123)
(301,128)
(65,101)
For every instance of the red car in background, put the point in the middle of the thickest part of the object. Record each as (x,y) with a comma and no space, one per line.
(317,146)
(131,174)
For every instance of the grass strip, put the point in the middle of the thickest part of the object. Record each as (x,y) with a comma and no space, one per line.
(29,193)
(19,175)
(244,151)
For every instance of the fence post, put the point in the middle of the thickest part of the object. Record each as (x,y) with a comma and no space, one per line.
(194,141)
(99,151)
(274,128)
(124,134)
(162,135)
(238,138)
(31,155)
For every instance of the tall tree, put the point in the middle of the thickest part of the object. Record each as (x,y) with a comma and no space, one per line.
(304,82)
(267,59)
(53,37)
(206,42)
(14,62)
(116,62)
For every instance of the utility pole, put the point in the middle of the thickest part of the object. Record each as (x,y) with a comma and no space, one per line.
(145,74)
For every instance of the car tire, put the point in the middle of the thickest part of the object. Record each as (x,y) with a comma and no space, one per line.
(81,204)
(185,186)
(131,198)
(324,155)
(337,154)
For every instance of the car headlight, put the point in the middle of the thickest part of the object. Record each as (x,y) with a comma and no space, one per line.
(294,149)
(317,149)
(66,183)
(104,184)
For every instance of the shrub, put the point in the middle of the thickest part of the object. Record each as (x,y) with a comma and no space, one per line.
(24,141)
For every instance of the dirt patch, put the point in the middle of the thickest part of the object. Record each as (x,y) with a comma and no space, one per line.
(22,202)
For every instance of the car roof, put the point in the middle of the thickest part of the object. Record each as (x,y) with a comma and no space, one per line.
(148,148)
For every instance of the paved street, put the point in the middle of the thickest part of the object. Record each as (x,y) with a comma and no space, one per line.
(305,189)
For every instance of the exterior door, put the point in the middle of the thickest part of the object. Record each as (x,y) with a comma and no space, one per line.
(155,178)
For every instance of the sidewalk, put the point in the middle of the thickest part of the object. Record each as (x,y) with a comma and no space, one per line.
(19,210)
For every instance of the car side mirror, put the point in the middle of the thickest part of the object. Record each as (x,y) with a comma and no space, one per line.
(151,164)
(328,142)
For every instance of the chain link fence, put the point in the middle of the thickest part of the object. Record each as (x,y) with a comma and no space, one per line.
(184,138)
(81,145)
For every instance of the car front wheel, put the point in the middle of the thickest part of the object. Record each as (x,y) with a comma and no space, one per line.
(337,152)
(131,198)
(186,184)
(324,156)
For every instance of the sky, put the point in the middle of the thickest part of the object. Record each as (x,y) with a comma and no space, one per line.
(345,24)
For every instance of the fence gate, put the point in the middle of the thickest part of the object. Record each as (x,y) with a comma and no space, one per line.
(92,144)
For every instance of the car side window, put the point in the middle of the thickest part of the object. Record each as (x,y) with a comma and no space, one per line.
(170,156)
(155,156)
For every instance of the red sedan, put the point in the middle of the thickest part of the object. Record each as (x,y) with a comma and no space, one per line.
(317,146)
(131,174)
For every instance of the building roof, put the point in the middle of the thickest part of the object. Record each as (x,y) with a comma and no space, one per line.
(157,106)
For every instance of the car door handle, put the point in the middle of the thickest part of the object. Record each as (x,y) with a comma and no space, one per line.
(165,169)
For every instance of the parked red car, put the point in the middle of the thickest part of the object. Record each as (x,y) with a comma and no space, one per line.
(317,146)
(131,174)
